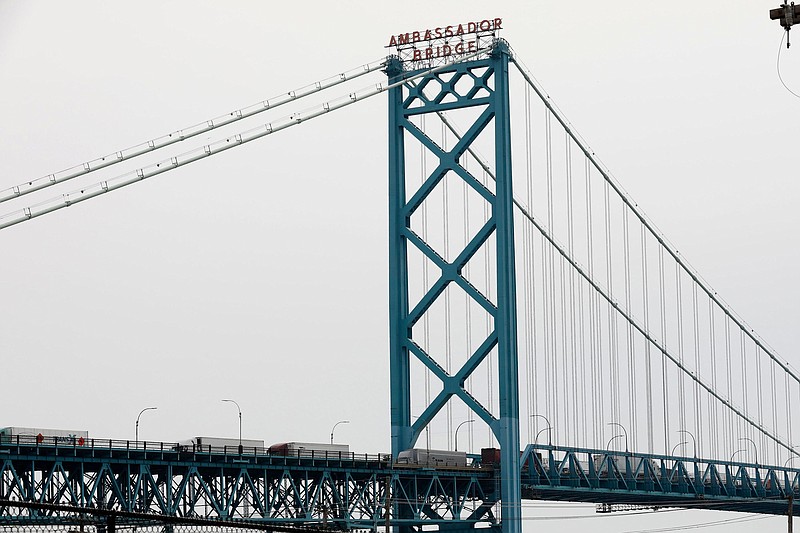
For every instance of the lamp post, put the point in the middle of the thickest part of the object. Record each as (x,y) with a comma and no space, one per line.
(734,453)
(755,448)
(676,447)
(615,436)
(137,420)
(549,436)
(336,424)
(241,449)
(459,427)
(549,429)
(694,442)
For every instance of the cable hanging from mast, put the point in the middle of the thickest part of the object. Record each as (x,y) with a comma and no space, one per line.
(615,311)
(649,225)
(182,134)
(102,187)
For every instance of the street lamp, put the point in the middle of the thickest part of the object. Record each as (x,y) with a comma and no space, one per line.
(137,420)
(459,427)
(549,429)
(734,453)
(676,447)
(336,424)
(615,436)
(694,442)
(755,448)
(240,423)
(549,435)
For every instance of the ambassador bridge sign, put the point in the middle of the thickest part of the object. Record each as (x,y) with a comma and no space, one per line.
(435,46)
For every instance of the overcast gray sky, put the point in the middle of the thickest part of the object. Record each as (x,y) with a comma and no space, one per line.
(260,274)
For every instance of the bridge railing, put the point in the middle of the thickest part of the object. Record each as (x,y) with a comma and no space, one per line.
(79,443)
(564,467)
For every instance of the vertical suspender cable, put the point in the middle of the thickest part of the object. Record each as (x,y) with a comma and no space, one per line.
(447,303)
(681,384)
(530,292)
(488,322)
(729,367)
(647,354)
(613,368)
(788,409)
(742,354)
(773,386)
(576,383)
(564,398)
(759,394)
(549,309)
(631,362)
(594,352)
(714,431)
(426,322)
(467,299)
(664,380)
(698,407)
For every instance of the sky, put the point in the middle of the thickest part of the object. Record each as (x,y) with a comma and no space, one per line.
(261,274)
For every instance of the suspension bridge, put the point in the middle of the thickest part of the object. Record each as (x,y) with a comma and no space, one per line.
(527,290)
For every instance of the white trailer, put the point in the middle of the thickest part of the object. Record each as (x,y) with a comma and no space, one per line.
(44,435)
(317,449)
(425,457)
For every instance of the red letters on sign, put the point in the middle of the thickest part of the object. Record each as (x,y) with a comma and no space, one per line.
(450,39)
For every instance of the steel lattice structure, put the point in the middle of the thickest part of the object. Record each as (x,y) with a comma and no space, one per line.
(487,91)
(339,491)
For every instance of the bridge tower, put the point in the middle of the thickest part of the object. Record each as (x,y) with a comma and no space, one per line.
(490,95)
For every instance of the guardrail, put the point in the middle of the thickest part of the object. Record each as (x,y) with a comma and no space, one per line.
(149,446)
(548,465)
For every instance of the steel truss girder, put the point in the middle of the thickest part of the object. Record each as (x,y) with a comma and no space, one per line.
(603,476)
(345,494)
(436,92)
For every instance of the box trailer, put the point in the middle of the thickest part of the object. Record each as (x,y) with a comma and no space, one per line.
(425,457)
(75,437)
(315,449)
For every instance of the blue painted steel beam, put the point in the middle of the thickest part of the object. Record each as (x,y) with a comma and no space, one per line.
(489,93)
(506,321)
(349,492)
(602,476)
(342,491)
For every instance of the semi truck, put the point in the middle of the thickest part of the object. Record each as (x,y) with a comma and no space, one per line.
(316,449)
(44,436)
(425,457)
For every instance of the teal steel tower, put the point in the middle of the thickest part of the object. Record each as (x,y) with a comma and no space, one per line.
(490,95)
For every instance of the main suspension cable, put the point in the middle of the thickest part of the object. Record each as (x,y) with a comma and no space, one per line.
(613,304)
(186,133)
(651,228)
(68,199)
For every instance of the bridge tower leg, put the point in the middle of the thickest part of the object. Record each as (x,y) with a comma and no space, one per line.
(490,94)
